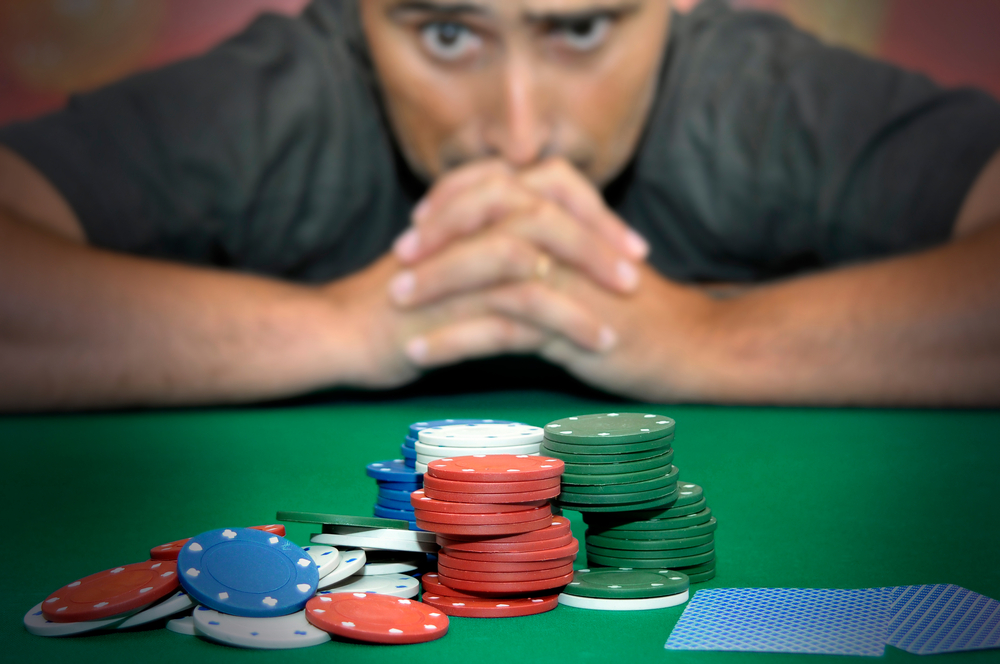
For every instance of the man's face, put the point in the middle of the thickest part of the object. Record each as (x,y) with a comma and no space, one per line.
(522,80)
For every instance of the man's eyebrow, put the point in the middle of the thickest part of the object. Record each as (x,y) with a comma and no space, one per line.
(556,17)
(446,8)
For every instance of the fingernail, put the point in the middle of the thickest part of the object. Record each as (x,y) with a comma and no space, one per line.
(407,244)
(420,211)
(628,276)
(637,245)
(416,350)
(401,287)
(608,339)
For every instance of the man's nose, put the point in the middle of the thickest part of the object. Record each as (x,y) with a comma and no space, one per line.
(520,131)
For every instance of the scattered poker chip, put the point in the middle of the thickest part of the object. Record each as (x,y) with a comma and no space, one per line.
(327,558)
(667,480)
(594,603)
(244,572)
(380,543)
(451,573)
(626,583)
(342,520)
(677,563)
(494,468)
(567,550)
(678,532)
(397,585)
(487,530)
(559,527)
(417,427)
(419,500)
(607,428)
(492,608)
(467,486)
(274,633)
(521,516)
(512,588)
(377,618)
(170,550)
(393,470)
(112,592)
(613,543)
(655,444)
(183,626)
(351,562)
(480,435)
(176,603)
(493,498)
(36,623)
(392,562)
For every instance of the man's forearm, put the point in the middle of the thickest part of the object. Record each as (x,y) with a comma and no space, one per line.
(922,329)
(86,328)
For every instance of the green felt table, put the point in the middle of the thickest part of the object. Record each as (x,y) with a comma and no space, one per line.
(804,498)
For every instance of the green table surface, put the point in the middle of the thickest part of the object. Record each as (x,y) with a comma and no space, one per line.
(804,498)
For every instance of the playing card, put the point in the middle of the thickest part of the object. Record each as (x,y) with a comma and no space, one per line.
(931,619)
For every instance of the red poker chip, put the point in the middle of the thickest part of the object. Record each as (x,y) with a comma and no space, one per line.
(496,468)
(569,547)
(492,608)
(499,498)
(501,587)
(559,527)
(463,486)
(502,566)
(432,584)
(112,592)
(376,618)
(510,551)
(497,529)
(450,573)
(485,519)
(419,500)
(171,550)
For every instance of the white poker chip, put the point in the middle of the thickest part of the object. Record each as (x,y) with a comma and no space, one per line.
(183,626)
(179,601)
(427,453)
(277,633)
(378,544)
(39,625)
(393,563)
(384,533)
(351,562)
(326,558)
(397,585)
(481,435)
(420,467)
(645,604)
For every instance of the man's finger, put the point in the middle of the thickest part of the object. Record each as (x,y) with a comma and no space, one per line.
(453,182)
(480,337)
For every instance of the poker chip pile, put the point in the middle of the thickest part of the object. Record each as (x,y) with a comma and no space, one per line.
(620,476)
(502,553)
(396,481)
(251,588)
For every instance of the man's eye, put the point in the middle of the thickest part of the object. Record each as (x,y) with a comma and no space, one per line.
(448,41)
(585,34)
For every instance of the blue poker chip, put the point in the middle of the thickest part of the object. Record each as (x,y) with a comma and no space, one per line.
(397,496)
(246,572)
(395,505)
(410,442)
(417,427)
(402,515)
(409,487)
(394,470)
(409,453)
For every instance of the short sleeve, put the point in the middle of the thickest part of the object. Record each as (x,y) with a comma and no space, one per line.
(267,154)
(770,152)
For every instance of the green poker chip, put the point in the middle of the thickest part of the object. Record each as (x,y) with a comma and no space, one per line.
(343,520)
(650,514)
(688,494)
(701,577)
(627,523)
(619,583)
(579,498)
(615,448)
(678,563)
(647,544)
(615,478)
(624,507)
(608,428)
(619,467)
(700,568)
(666,479)
(625,457)
(636,554)
(683,532)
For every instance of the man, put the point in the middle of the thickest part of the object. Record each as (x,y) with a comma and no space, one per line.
(710,207)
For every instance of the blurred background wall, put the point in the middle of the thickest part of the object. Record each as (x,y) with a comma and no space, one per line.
(50,48)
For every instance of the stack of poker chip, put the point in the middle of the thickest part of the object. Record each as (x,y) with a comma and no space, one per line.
(395,483)
(620,475)
(467,438)
(409,447)
(502,553)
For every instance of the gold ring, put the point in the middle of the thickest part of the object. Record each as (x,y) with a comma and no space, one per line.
(542,267)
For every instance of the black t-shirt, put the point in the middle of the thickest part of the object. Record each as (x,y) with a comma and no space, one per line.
(766,153)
